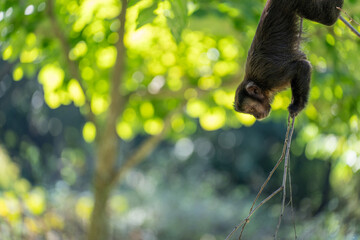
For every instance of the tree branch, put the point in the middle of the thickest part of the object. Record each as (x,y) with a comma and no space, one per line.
(145,148)
(150,144)
(348,23)
(107,151)
(247,219)
(72,65)
(286,165)
(270,175)
(285,154)
(349,26)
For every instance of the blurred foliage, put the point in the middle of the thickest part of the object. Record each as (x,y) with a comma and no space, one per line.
(177,51)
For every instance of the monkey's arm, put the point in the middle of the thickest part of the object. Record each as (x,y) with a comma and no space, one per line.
(300,85)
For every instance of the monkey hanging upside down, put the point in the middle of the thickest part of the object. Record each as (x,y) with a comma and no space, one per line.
(275,61)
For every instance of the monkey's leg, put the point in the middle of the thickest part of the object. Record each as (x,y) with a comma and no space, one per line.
(300,86)
(322,11)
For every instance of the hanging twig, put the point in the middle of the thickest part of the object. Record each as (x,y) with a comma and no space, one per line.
(285,152)
(270,175)
(284,178)
(291,201)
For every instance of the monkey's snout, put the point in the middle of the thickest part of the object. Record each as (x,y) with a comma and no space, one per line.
(261,116)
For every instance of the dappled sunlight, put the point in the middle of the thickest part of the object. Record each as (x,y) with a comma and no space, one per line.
(18,74)
(213,119)
(105,58)
(176,69)
(88,9)
(52,77)
(196,108)
(89,132)
(75,93)
(23,207)
(84,207)
(153,126)
(124,130)
(246,119)
(99,104)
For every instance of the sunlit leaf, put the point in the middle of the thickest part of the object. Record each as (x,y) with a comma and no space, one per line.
(98,104)
(18,74)
(76,93)
(105,57)
(79,50)
(29,56)
(196,108)
(132,2)
(177,123)
(51,76)
(213,119)
(35,202)
(146,15)
(179,21)
(52,99)
(147,110)
(153,126)
(84,207)
(7,53)
(124,131)
(246,119)
(89,132)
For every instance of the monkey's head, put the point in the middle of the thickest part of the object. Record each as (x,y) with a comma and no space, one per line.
(251,99)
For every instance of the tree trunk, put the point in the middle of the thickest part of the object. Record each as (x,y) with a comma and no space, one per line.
(108,142)
(99,227)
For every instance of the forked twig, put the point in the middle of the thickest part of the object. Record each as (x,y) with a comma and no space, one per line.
(285,152)
(270,175)
(253,211)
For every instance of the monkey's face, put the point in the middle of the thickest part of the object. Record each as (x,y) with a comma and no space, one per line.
(250,99)
(253,107)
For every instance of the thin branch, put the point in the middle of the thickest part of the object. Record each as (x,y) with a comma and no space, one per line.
(285,151)
(246,220)
(291,202)
(284,178)
(271,173)
(350,18)
(72,65)
(108,141)
(119,66)
(350,26)
(348,23)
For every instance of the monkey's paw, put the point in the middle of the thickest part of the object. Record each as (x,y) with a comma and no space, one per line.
(295,109)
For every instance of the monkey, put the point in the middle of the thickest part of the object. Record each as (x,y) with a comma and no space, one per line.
(275,61)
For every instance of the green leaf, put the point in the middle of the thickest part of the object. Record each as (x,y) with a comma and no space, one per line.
(146,15)
(180,20)
(132,2)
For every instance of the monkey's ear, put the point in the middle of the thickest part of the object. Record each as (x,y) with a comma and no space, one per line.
(254,90)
